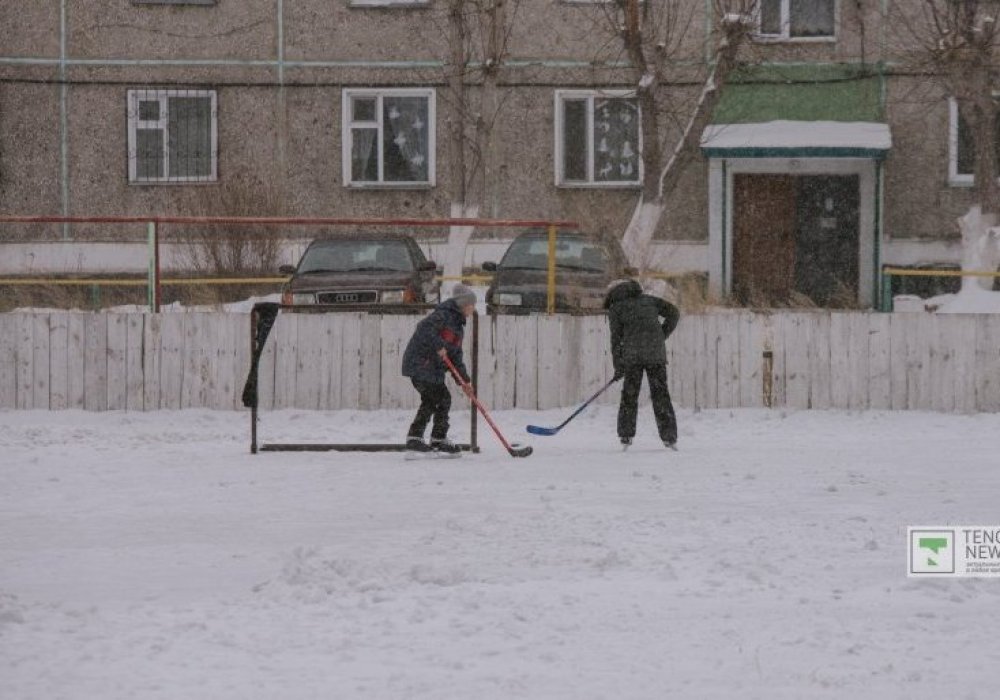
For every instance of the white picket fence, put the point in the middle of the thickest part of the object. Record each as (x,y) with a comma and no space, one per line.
(850,360)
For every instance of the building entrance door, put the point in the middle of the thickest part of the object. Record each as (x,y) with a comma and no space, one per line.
(796,239)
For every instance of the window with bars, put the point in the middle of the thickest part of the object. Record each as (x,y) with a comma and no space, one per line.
(172,136)
(798,19)
(962,151)
(597,139)
(388,137)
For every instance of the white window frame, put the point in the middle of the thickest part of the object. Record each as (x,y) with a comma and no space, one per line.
(590,95)
(955,178)
(134,123)
(347,135)
(786,23)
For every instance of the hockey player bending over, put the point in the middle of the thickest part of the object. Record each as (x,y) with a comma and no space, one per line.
(437,336)
(637,346)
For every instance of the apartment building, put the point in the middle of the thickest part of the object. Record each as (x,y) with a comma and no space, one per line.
(827,159)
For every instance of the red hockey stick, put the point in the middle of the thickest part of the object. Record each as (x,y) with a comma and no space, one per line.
(514,450)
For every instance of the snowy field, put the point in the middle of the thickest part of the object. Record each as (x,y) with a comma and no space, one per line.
(150,556)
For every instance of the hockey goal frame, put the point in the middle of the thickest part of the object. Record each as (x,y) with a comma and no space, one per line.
(262,319)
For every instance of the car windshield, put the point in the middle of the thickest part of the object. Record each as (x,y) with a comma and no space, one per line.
(531,253)
(357,256)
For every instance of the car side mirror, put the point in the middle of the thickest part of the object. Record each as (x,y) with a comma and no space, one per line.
(490,266)
(286,270)
(428,266)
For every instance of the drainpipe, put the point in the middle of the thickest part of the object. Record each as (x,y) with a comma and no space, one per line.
(282,116)
(63,121)
(882,286)
(881,58)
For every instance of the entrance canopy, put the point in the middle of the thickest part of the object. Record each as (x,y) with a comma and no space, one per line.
(797,139)
(799,111)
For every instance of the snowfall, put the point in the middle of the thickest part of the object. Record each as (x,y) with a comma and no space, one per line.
(149,555)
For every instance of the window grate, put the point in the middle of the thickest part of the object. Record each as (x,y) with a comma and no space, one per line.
(173,136)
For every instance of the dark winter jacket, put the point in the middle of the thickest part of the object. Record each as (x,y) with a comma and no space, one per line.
(637,335)
(442,328)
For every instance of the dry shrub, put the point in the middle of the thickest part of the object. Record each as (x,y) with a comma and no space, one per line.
(232,250)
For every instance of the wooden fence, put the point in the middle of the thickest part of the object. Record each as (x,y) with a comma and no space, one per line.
(850,360)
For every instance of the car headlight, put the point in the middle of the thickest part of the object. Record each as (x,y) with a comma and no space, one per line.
(303,298)
(506,299)
(394,296)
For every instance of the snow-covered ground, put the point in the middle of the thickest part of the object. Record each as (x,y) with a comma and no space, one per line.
(150,556)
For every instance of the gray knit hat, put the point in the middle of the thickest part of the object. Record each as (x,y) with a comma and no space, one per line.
(463,295)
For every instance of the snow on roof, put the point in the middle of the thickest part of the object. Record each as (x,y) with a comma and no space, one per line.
(799,134)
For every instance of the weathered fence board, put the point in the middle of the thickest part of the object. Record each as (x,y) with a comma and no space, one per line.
(525,350)
(40,362)
(25,357)
(987,363)
(151,338)
(879,361)
(171,359)
(8,360)
(95,362)
(134,336)
(842,360)
(58,362)
(75,360)
(117,365)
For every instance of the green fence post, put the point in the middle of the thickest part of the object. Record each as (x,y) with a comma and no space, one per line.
(886,292)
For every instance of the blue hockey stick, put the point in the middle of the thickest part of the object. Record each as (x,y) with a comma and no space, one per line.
(539,430)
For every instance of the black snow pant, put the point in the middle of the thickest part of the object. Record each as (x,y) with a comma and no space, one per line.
(434,401)
(663,409)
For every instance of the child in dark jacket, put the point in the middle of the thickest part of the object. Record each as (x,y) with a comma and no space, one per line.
(437,336)
(637,346)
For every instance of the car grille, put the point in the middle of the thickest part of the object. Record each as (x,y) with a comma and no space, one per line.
(365,297)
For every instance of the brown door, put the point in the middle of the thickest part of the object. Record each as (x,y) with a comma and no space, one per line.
(764,225)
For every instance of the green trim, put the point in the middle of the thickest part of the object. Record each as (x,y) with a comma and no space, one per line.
(725,227)
(796,152)
(802,92)
(882,290)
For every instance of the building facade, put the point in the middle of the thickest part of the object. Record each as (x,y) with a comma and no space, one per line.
(827,159)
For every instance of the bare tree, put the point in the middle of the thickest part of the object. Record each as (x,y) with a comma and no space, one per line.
(954,43)
(656,38)
(479,33)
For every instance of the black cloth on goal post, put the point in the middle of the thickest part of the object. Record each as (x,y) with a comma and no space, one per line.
(264,315)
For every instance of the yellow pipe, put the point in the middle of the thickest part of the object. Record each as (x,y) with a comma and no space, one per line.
(550,304)
(665,275)
(232,280)
(897,272)
(463,278)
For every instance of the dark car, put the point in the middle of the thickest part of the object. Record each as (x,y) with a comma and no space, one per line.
(375,268)
(585,264)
